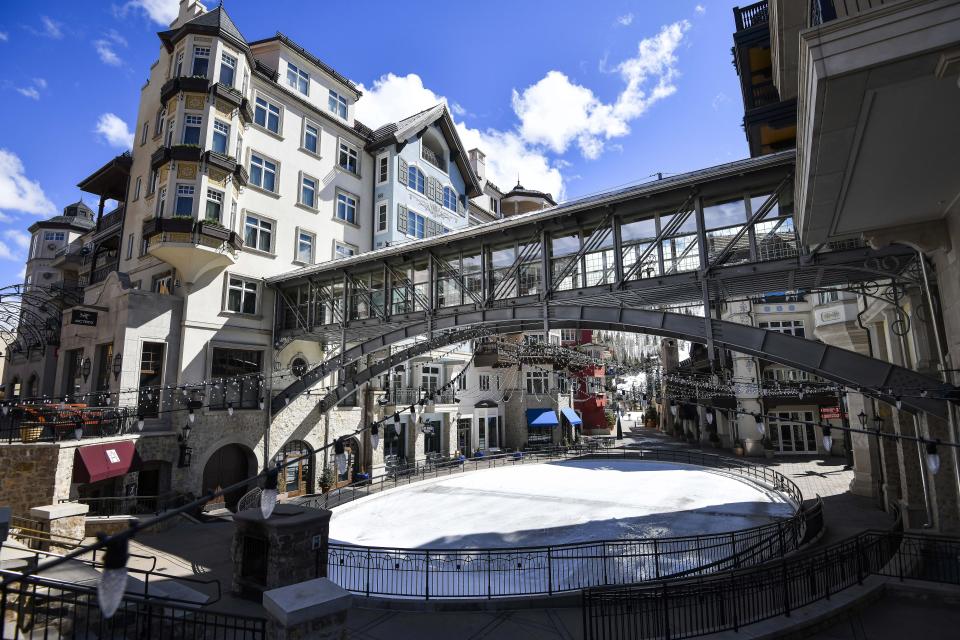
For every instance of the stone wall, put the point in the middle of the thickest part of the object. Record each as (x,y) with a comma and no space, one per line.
(27,476)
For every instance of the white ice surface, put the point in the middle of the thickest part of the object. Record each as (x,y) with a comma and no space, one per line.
(557,503)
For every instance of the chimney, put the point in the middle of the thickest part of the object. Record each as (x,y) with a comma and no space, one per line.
(189,9)
(478,162)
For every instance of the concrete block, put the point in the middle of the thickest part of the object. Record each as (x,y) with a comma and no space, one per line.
(57,511)
(299,603)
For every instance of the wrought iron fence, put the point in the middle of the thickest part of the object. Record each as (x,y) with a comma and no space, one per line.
(734,599)
(752,15)
(130,505)
(39,607)
(545,570)
(51,423)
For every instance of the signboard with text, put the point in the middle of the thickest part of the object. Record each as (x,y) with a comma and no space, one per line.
(85,318)
(830,413)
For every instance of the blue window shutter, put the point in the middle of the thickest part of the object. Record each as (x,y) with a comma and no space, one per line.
(404,171)
(401,218)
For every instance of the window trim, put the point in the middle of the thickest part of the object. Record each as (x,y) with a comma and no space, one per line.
(206,199)
(137,186)
(196,125)
(352,247)
(301,75)
(384,207)
(383,160)
(406,182)
(313,246)
(276,176)
(340,98)
(303,136)
(213,134)
(356,207)
(343,141)
(144,131)
(176,199)
(226,295)
(273,233)
(233,346)
(316,191)
(260,95)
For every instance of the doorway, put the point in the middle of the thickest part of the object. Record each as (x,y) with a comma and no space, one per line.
(228,465)
(789,434)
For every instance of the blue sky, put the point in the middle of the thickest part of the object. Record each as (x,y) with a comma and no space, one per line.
(575,97)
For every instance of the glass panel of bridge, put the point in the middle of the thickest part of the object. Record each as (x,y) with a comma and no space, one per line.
(723,221)
(377,296)
(599,266)
(402,295)
(503,275)
(681,251)
(470,265)
(360,298)
(636,244)
(529,280)
(775,234)
(562,249)
(449,292)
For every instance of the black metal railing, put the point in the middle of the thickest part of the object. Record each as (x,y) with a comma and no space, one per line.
(735,599)
(546,570)
(36,607)
(52,423)
(129,505)
(410,395)
(752,15)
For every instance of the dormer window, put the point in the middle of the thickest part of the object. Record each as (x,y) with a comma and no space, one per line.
(337,104)
(433,150)
(298,79)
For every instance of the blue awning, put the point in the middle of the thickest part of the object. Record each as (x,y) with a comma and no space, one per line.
(572,416)
(542,418)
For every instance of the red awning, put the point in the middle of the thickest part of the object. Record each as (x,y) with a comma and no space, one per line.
(96,462)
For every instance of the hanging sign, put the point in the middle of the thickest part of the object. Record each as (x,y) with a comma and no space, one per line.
(829,413)
(85,318)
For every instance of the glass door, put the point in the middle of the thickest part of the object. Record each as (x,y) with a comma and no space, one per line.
(791,432)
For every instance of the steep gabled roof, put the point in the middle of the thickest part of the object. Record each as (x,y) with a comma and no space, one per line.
(414,126)
(215,23)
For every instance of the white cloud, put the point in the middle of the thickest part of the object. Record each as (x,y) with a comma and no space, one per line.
(394,97)
(51,28)
(5,252)
(33,91)
(162,12)
(19,238)
(625,20)
(105,48)
(4,36)
(718,100)
(457,110)
(19,193)
(556,112)
(700,9)
(115,131)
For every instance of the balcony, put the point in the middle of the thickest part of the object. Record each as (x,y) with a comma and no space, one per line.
(173,86)
(751,16)
(408,396)
(192,247)
(112,219)
(70,259)
(227,164)
(186,152)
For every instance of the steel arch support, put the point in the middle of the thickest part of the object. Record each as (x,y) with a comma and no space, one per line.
(848,368)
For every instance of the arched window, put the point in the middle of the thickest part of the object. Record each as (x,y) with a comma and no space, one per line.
(415,179)
(297,477)
(450,198)
(298,366)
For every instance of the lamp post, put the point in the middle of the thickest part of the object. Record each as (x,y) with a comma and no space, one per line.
(878,423)
(845,421)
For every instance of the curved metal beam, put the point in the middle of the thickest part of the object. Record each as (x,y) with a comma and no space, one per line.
(848,368)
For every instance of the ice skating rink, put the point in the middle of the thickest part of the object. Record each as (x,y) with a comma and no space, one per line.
(557,503)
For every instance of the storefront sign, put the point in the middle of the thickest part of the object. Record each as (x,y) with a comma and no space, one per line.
(829,413)
(85,318)
(112,456)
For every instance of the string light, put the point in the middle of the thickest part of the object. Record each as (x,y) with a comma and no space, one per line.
(113,579)
(340,455)
(827,440)
(374,435)
(933,458)
(268,497)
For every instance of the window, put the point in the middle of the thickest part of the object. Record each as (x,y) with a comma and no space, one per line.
(789,327)
(537,382)
(298,79)
(416,225)
(152,186)
(348,158)
(241,295)
(568,335)
(462,383)
(161,202)
(201,61)
(240,366)
(305,242)
(263,173)
(221,136)
(54,236)
(337,104)
(416,180)
(151,378)
(162,283)
(382,217)
(184,203)
(214,205)
(129,246)
(178,65)
(258,233)
(494,205)
(383,169)
(341,250)
(143,133)
(191,129)
(233,214)
(228,69)
(484,382)
(450,198)
(347,207)
(168,140)
(267,115)
(308,192)
(311,137)
(158,124)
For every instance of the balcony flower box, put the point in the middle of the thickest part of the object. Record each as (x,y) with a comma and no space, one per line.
(213,230)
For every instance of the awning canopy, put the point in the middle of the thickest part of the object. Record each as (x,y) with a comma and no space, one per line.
(96,462)
(571,416)
(542,418)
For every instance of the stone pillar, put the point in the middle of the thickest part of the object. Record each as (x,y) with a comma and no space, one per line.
(669,358)
(866,481)
(65,522)
(315,609)
(287,548)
